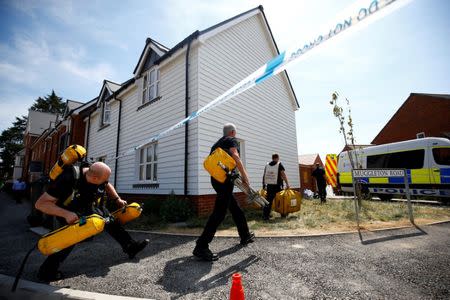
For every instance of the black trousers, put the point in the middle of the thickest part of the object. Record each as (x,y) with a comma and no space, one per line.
(272,190)
(322,191)
(52,263)
(224,200)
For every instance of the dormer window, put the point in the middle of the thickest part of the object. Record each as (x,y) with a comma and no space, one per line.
(106,113)
(151,85)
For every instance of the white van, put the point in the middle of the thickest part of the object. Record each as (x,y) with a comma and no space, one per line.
(427,161)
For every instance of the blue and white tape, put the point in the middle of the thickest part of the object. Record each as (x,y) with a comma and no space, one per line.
(279,64)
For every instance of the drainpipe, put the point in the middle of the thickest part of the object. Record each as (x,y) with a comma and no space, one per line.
(88,132)
(186,126)
(116,168)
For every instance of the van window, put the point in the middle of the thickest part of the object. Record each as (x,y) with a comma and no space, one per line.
(441,156)
(377,161)
(398,160)
(407,159)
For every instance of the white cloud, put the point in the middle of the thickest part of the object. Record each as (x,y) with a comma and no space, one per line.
(30,60)
(15,73)
(96,73)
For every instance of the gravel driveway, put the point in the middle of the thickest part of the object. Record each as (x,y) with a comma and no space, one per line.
(402,264)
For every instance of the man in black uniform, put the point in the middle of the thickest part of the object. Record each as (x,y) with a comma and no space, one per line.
(319,174)
(273,180)
(72,195)
(224,200)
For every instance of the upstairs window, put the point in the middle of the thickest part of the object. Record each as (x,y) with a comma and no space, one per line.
(106,113)
(148,164)
(150,85)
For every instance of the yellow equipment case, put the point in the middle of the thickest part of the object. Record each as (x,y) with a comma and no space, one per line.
(215,163)
(69,235)
(127,213)
(287,201)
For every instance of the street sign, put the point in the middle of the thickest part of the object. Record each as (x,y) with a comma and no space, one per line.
(377,173)
(374,173)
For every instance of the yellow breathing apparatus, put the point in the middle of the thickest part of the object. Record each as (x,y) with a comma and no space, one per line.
(69,235)
(127,213)
(215,162)
(71,155)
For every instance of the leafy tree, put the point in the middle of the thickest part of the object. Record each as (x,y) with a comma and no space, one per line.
(11,142)
(51,103)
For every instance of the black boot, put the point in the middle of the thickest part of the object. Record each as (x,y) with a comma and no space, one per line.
(50,276)
(135,247)
(204,253)
(250,238)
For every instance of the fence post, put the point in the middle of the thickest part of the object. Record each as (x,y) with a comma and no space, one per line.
(408,197)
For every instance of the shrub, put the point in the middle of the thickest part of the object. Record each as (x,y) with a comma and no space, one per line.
(175,209)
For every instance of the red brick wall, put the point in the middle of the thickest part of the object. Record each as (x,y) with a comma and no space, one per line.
(419,113)
(78,130)
(28,141)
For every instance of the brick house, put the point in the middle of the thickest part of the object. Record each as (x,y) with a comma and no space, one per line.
(421,115)
(70,129)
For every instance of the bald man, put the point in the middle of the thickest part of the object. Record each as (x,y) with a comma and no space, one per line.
(79,192)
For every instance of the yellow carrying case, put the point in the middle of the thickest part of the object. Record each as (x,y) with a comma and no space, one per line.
(214,162)
(69,235)
(127,213)
(287,201)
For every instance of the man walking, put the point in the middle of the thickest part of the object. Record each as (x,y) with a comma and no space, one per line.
(224,200)
(273,180)
(319,174)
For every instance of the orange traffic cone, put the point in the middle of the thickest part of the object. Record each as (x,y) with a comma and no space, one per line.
(237,291)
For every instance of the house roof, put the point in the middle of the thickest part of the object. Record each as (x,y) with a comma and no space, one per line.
(167,53)
(307,159)
(109,86)
(444,97)
(70,106)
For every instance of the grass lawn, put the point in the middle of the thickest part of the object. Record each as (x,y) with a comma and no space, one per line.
(313,218)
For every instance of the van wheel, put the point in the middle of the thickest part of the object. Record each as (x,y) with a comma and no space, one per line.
(385,197)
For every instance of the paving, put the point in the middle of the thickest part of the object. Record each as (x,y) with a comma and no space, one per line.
(411,263)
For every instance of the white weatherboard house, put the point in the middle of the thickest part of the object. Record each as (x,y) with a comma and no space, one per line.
(170,84)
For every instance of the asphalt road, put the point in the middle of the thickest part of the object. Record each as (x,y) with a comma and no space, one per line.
(399,264)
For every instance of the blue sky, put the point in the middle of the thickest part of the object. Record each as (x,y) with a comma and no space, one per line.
(71,46)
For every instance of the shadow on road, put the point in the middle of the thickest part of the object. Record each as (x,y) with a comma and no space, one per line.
(420,232)
(187,275)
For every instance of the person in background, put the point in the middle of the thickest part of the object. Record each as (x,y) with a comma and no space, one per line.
(19,187)
(273,178)
(319,175)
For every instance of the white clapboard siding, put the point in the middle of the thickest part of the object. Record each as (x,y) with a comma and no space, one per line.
(138,125)
(264,115)
(102,142)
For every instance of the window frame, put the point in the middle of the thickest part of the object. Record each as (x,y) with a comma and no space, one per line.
(148,84)
(106,108)
(142,164)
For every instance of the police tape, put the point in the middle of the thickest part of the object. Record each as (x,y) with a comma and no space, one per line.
(277,64)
